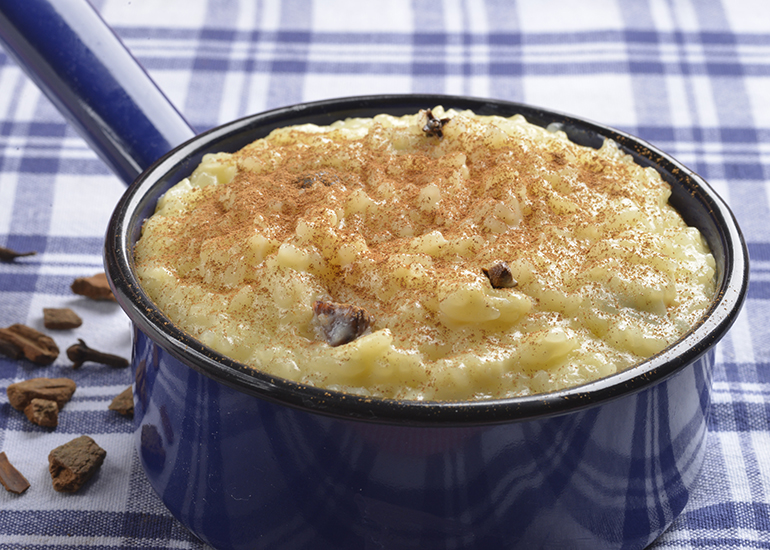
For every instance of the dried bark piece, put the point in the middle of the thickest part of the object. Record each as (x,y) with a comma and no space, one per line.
(341,323)
(71,465)
(10,477)
(60,318)
(80,353)
(123,403)
(9,255)
(43,412)
(500,276)
(36,346)
(10,349)
(95,287)
(60,390)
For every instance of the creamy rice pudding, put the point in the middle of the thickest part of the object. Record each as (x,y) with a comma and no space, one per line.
(436,256)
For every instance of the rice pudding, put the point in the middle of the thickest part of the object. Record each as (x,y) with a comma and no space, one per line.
(435,256)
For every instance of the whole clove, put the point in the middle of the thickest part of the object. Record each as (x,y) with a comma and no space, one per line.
(10,477)
(434,126)
(96,287)
(8,255)
(34,345)
(71,465)
(80,353)
(21,394)
(500,276)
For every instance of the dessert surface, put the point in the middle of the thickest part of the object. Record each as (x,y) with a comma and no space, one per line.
(436,256)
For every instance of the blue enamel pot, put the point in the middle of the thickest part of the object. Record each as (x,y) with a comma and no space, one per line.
(247,460)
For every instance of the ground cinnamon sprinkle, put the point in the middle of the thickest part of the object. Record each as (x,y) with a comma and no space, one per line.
(403,222)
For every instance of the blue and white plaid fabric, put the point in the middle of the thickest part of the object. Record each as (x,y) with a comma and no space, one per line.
(690,76)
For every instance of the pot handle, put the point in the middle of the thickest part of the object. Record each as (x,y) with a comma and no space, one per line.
(92,79)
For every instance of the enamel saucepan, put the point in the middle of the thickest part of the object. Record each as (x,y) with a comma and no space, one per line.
(247,460)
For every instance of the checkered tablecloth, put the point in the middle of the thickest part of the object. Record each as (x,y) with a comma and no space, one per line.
(690,76)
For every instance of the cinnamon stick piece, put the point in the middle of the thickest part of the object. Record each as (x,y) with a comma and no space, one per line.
(71,465)
(60,318)
(36,346)
(95,287)
(43,412)
(10,477)
(21,394)
(9,255)
(123,402)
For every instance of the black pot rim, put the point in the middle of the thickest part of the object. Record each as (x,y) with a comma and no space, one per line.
(721,229)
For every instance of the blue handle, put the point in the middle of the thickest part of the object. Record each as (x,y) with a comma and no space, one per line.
(84,69)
